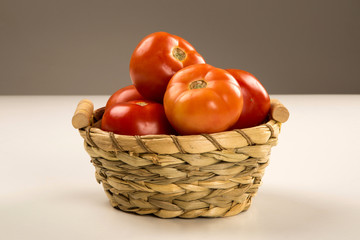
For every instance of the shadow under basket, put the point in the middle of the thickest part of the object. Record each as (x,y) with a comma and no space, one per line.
(208,175)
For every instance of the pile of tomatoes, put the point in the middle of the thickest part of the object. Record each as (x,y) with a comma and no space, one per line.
(175,92)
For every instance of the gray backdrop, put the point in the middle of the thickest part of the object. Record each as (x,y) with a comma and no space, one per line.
(84,47)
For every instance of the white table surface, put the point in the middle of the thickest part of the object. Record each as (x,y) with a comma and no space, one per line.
(310,189)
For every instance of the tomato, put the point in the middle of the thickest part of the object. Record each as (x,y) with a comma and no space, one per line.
(256,99)
(138,117)
(156,59)
(123,95)
(202,99)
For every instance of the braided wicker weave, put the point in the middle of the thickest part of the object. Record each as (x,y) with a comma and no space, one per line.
(209,175)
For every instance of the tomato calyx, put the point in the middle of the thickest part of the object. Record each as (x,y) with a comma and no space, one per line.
(179,54)
(197,84)
(142,104)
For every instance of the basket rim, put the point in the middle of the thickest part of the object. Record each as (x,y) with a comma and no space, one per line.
(220,141)
(229,140)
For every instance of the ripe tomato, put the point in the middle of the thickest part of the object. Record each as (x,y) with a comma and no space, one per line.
(202,99)
(139,117)
(123,95)
(256,99)
(156,59)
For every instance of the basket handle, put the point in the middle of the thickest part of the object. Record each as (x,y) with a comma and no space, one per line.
(85,108)
(83,114)
(278,111)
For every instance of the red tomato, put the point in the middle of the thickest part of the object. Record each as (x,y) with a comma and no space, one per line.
(256,99)
(124,95)
(139,117)
(202,99)
(156,59)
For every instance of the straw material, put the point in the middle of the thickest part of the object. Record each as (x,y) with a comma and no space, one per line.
(209,175)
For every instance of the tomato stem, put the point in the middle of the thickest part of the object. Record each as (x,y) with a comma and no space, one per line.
(198,84)
(179,54)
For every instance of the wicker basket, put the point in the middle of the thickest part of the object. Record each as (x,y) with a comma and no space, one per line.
(208,175)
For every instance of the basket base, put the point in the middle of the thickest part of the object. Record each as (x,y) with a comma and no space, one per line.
(153,208)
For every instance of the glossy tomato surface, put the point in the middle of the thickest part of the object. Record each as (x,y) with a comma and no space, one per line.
(156,59)
(139,117)
(202,99)
(256,99)
(124,95)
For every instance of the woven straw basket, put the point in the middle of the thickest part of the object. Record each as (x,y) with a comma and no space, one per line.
(209,175)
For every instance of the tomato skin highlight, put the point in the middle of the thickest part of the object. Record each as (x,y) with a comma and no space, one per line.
(156,59)
(202,99)
(124,94)
(139,117)
(256,100)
